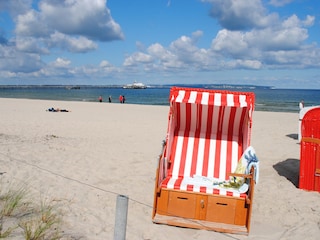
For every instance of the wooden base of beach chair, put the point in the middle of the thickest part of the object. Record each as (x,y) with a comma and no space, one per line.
(203,211)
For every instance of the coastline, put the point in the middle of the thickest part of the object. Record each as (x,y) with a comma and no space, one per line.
(85,157)
(267,99)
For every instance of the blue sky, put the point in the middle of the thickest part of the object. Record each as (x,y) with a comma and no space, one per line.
(99,42)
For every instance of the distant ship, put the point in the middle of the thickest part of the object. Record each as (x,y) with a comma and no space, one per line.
(135,85)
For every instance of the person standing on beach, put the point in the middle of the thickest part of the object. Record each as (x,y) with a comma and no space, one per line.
(100,98)
(121,99)
(301,104)
(110,99)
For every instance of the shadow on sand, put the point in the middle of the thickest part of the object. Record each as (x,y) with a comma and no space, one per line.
(293,136)
(289,169)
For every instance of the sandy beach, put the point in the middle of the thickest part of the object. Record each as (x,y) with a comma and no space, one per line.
(84,158)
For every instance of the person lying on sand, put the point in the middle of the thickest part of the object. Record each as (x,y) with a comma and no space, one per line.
(57,110)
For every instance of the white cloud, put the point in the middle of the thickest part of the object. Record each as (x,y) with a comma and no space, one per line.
(159,52)
(231,43)
(31,24)
(309,21)
(61,63)
(15,7)
(276,46)
(31,45)
(12,60)
(88,18)
(71,25)
(280,3)
(245,64)
(270,45)
(137,58)
(241,14)
(71,44)
(104,64)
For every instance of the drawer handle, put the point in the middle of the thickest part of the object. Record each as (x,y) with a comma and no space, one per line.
(202,203)
(223,204)
(183,198)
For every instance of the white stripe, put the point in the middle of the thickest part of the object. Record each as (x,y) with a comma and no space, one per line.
(205,98)
(212,151)
(235,194)
(213,137)
(183,185)
(235,138)
(200,156)
(196,188)
(222,192)
(187,168)
(171,183)
(180,96)
(192,97)
(234,157)
(230,100)
(223,158)
(217,99)
(224,143)
(202,140)
(243,101)
(177,157)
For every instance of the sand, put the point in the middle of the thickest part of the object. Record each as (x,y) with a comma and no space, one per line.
(85,158)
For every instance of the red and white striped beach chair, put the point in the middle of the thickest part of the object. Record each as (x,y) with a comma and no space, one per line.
(208,131)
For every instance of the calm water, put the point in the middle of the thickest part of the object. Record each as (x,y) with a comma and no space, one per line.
(277,100)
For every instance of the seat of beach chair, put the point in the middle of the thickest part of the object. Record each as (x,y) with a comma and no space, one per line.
(232,184)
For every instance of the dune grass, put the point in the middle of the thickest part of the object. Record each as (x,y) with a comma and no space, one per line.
(24,218)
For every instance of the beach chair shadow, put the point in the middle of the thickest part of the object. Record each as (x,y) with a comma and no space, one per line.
(208,132)
(293,136)
(289,169)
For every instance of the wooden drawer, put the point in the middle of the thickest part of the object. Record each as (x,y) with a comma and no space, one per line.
(182,204)
(221,209)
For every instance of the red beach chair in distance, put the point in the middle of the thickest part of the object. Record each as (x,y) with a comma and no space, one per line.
(208,131)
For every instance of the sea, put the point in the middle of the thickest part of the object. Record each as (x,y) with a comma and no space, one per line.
(266,98)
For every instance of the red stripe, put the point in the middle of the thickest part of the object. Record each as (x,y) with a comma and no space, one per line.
(228,193)
(196,142)
(177,119)
(216,191)
(203,189)
(194,161)
(189,187)
(236,100)
(186,96)
(177,184)
(165,182)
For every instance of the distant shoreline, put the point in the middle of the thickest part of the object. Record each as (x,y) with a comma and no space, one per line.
(209,86)
(266,98)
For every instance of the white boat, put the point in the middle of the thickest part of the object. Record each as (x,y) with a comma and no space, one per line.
(135,85)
